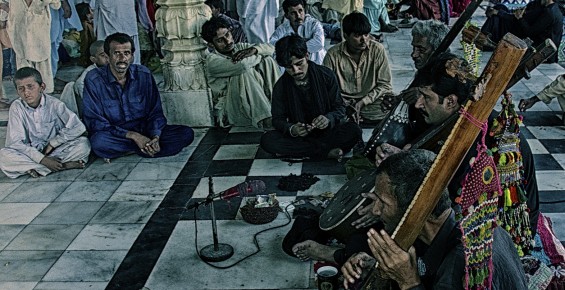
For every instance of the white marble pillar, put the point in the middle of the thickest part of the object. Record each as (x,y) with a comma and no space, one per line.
(186,97)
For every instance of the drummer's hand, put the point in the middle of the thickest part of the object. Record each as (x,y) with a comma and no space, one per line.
(353,269)
(384,151)
(367,218)
(527,103)
(410,95)
(389,101)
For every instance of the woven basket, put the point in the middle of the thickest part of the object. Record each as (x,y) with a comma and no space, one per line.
(260,215)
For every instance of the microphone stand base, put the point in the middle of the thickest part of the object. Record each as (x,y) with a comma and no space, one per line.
(209,254)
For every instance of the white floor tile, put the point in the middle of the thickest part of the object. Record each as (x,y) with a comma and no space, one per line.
(71,285)
(28,191)
(545,132)
(17,285)
(20,213)
(78,266)
(89,191)
(274,167)
(9,232)
(141,190)
(26,266)
(240,151)
(156,171)
(45,237)
(125,212)
(106,237)
(560,158)
(183,270)
(550,180)
(7,188)
(558,220)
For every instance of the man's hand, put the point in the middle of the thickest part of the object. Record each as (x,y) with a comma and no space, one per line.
(48,149)
(142,142)
(527,103)
(384,151)
(394,262)
(300,130)
(321,122)
(355,267)
(52,163)
(366,212)
(67,12)
(358,106)
(238,56)
(153,146)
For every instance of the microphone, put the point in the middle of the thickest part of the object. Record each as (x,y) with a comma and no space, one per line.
(251,187)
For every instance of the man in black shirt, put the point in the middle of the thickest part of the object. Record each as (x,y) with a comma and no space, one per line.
(307,108)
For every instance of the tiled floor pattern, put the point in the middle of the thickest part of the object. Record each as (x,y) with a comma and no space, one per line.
(125,225)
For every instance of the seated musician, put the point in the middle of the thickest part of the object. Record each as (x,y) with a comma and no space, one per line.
(437,102)
(437,259)
(308,112)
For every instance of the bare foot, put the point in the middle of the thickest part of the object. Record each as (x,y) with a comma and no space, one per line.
(309,249)
(336,154)
(74,165)
(33,173)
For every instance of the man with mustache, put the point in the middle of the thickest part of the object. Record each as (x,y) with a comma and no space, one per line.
(308,112)
(362,68)
(122,108)
(436,260)
(241,77)
(305,26)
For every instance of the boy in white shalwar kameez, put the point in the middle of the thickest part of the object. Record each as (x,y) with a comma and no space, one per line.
(43,135)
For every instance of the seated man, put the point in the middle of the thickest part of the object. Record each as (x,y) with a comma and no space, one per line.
(435,111)
(361,66)
(241,77)
(72,96)
(122,108)
(308,112)
(236,28)
(539,21)
(555,89)
(43,135)
(305,26)
(436,260)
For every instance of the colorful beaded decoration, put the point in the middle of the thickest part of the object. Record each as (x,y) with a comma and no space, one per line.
(472,54)
(479,205)
(513,211)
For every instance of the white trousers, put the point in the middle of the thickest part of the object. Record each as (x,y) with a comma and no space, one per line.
(13,163)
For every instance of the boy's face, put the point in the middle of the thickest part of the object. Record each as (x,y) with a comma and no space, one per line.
(100,58)
(30,91)
(223,41)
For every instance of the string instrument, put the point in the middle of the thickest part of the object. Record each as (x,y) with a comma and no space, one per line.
(394,127)
(491,85)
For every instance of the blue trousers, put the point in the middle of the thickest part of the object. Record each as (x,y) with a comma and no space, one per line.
(173,138)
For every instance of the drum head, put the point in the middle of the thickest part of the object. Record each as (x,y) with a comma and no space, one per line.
(347,200)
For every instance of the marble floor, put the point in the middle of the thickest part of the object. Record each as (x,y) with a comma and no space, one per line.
(125,225)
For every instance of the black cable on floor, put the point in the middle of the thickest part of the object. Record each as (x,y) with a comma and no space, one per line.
(255,241)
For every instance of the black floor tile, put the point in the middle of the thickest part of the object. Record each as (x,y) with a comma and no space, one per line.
(229,168)
(552,207)
(526,133)
(262,154)
(553,146)
(215,136)
(546,162)
(179,194)
(271,184)
(541,118)
(325,167)
(243,138)
(551,196)
(204,152)
(192,169)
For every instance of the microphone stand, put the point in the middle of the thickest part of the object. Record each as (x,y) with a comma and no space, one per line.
(216,252)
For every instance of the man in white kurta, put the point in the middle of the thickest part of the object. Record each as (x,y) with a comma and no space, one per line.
(43,134)
(298,22)
(241,77)
(555,89)
(29,23)
(258,18)
(111,16)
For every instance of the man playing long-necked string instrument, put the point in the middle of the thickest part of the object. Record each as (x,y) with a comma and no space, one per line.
(436,260)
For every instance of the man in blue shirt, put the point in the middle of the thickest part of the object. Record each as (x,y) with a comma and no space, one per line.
(122,108)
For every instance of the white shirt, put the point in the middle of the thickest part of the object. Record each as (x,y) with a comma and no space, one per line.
(311,30)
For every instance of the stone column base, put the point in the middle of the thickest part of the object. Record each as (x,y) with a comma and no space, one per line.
(192,108)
